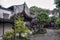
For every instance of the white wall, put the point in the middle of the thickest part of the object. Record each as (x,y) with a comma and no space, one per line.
(5,11)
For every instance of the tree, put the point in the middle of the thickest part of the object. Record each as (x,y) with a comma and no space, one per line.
(35,10)
(57,23)
(42,18)
(20,28)
(57,2)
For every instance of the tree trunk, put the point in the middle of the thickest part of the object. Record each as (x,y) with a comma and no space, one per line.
(19,34)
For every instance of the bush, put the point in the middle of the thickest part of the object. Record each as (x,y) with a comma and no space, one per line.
(41,31)
(8,34)
(20,28)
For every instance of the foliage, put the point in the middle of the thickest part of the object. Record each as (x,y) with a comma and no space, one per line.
(54,18)
(20,26)
(57,2)
(8,34)
(40,31)
(57,23)
(35,10)
(43,17)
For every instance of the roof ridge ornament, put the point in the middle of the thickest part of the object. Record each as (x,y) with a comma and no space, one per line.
(24,6)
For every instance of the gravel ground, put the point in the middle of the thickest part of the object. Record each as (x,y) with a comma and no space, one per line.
(50,35)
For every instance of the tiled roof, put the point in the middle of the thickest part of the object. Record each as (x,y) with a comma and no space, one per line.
(5,8)
(19,9)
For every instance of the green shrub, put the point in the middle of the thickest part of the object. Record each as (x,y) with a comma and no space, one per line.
(8,34)
(20,27)
(40,31)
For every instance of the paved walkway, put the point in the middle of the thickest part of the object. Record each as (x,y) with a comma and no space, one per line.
(1,38)
(50,35)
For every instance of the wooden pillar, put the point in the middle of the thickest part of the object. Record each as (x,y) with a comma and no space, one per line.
(14,23)
(3,28)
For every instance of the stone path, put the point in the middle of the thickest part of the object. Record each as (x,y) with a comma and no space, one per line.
(50,35)
(1,38)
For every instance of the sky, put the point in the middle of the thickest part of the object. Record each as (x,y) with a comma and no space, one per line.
(45,4)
